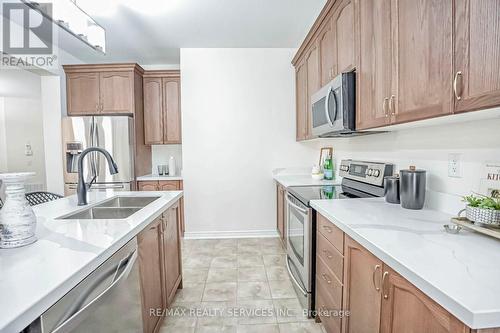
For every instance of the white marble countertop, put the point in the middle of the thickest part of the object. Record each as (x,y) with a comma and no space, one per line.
(34,277)
(299,177)
(157,177)
(461,272)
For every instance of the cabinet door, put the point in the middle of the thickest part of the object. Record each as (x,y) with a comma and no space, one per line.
(423,45)
(301,100)
(117,92)
(171,110)
(281,210)
(361,295)
(477,54)
(172,252)
(147,186)
(343,25)
(327,51)
(82,91)
(151,275)
(405,309)
(374,73)
(313,84)
(168,185)
(153,111)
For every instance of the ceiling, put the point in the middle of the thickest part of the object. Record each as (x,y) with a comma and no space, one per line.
(153,31)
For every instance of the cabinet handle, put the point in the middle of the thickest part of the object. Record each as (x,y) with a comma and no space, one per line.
(327,228)
(375,269)
(384,278)
(328,255)
(455,85)
(392,105)
(325,277)
(384,107)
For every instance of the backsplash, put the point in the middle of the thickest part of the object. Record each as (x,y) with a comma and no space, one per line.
(161,154)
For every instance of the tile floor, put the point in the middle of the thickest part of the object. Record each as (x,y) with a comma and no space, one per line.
(236,285)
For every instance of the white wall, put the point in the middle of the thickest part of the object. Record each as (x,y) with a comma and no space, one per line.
(238,110)
(238,125)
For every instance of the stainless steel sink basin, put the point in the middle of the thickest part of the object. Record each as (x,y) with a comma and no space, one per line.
(129,202)
(100,213)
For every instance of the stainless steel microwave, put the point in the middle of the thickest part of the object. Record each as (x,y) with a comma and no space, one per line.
(333,108)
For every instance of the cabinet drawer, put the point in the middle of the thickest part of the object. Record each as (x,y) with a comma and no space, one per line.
(331,232)
(333,259)
(325,309)
(327,281)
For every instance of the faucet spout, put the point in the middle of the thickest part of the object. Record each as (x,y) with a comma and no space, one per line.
(82,188)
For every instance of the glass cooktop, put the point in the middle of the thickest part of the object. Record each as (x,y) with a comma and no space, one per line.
(326,192)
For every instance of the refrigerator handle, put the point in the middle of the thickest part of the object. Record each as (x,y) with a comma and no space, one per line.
(97,144)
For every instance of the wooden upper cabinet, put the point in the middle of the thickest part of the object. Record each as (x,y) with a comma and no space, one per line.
(82,93)
(172,110)
(477,54)
(151,275)
(103,89)
(343,26)
(405,309)
(153,114)
(326,41)
(117,92)
(362,284)
(301,101)
(423,49)
(374,72)
(313,84)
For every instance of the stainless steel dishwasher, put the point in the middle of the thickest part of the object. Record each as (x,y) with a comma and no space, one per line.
(108,300)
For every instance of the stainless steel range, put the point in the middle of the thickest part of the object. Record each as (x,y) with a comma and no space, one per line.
(360,179)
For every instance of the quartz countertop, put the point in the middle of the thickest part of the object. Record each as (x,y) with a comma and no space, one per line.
(157,177)
(461,271)
(34,277)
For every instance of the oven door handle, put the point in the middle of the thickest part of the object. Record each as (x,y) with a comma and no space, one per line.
(293,278)
(300,209)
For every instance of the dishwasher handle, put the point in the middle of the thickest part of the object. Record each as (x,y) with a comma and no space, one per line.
(68,325)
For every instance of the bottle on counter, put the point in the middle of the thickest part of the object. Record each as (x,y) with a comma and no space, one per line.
(328,167)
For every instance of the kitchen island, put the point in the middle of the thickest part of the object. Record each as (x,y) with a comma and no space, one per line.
(36,276)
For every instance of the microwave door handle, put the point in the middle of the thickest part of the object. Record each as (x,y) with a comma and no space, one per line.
(327,102)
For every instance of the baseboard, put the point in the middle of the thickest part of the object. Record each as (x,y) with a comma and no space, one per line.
(231,234)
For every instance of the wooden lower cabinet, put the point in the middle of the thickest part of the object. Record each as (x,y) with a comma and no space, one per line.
(405,309)
(159,265)
(166,185)
(280,223)
(150,267)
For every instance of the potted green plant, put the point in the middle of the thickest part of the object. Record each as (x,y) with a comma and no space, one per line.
(482,209)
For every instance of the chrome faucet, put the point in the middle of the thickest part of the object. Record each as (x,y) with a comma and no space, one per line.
(82,188)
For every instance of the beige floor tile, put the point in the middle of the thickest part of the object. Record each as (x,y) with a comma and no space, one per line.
(252,274)
(274,260)
(222,275)
(225,291)
(277,273)
(254,290)
(224,262)
(197,261)
(190,293)
(282,289)
(250,261)
(289,310)
(307,327)
(194,275)
(216,329)
(249,249)
(271,249)
(263,328)
(252,312)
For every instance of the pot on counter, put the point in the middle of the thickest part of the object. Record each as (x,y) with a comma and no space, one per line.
(412,188)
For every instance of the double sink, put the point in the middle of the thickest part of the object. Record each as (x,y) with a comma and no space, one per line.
(119,207)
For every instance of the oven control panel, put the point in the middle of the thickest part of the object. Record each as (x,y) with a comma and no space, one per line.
(367,172)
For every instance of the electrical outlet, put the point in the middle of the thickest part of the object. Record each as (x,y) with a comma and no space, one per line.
(454,166)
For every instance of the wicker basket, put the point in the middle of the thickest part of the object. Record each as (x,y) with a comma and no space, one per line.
(480,215)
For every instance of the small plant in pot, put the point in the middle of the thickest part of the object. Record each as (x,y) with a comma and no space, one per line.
(483,209)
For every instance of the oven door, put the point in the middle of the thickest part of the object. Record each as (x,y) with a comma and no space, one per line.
(327,111)
(299,247)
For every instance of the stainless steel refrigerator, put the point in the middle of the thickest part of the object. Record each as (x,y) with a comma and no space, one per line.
(113,133)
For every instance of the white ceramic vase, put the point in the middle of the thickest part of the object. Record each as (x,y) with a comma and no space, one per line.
(17,219)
